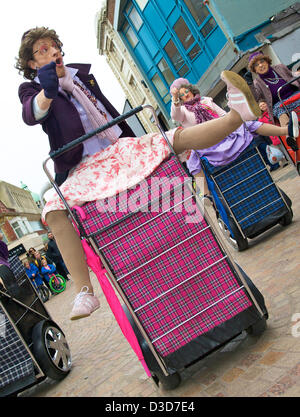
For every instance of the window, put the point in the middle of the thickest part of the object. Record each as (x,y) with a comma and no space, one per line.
(111,47)
(197,10)
(166,71)
(132,81)
(208,27)
(183,33)
(135,18)
(194,51)
(130,35)
(186,38)
(160,86)
(200,13)
(176,58)
(17,229)
(35,226)
(141,3)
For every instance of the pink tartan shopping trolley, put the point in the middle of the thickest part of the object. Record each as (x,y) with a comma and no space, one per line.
(183,295)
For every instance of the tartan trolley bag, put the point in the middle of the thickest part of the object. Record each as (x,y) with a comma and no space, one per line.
(183,295)
(246,199)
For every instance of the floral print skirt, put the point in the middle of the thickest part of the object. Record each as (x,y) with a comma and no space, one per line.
(112,170)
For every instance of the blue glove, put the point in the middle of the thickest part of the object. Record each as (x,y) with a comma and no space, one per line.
(48,79)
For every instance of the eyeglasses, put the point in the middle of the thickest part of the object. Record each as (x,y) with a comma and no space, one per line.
(260,61)
(45,47)
(185,93)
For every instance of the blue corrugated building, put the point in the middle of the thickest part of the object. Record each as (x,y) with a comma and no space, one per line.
(194,39)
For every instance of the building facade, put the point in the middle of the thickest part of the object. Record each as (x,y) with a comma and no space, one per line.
(128,75)
(20,218)
(196,39)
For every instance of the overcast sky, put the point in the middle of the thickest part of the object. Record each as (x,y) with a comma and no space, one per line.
(24,148)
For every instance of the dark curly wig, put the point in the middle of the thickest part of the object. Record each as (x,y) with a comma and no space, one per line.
(25,51)
(193,89)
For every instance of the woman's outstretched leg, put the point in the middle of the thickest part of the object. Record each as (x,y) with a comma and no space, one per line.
(72,252)
(291,129)
(243,107)
(207,134)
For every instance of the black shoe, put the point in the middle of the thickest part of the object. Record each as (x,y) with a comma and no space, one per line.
(292,143)
(293,126)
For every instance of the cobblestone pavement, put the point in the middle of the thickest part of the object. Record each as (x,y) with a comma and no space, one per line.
(105,366)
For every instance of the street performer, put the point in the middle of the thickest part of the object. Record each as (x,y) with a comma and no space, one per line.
(67,102)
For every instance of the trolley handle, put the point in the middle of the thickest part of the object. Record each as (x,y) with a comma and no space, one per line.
(78,141)
(290,100)
(284,85)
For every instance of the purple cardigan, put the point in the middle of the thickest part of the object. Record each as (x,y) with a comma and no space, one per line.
(62,123)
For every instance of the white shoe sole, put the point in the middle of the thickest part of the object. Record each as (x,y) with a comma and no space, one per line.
(230,77)
(295,124)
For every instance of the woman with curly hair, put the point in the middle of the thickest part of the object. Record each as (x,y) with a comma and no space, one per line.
(266,85)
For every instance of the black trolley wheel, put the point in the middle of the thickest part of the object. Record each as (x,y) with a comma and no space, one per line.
(287,218)
(168,382)
(44,293)
(242,243)
(51,350)
(237,241)
(258,327)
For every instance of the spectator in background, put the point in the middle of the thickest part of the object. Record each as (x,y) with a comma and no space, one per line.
(47,269)
(38,262)
(54,255)
(33,273)
(274,148)
(269,78)
(30,255)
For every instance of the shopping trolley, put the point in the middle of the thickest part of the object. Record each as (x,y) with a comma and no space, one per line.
(293,156)
(32,346)
(184,296)
(247,201)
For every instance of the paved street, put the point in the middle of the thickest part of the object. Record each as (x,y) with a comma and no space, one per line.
(105,366)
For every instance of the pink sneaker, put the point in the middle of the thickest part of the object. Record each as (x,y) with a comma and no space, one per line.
(85,304)
(240,97)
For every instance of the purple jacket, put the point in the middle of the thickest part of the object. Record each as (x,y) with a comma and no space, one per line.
(62,123)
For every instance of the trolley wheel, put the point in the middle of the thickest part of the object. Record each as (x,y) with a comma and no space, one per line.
(51,350)
(237,241)
(44,293)
(169,382)
(287,218)
(57,283)
(257,328)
